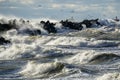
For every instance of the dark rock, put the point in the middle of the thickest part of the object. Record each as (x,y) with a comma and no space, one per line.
(6,27)
(116,19)
(42,22)
(49,26)
(89,23)
(3,41)
(72,25)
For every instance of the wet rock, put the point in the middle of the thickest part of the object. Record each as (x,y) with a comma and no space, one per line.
(4,41)
(6,27)
(72,25)
(116,19)
(89,23)
(79,25)
(48,26)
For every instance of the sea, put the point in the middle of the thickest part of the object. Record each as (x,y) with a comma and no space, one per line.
(87,54)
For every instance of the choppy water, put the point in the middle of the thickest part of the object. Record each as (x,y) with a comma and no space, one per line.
(89,54)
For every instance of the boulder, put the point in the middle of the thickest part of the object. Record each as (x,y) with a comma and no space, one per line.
(4,41)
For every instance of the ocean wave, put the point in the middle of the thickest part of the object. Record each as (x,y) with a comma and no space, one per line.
(110,76)
(48,46)
(42,70)
(104,58)
(100,34)
(92,57)
(82,58)
(50,27)
(60,48)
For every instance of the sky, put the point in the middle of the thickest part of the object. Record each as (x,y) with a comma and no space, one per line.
(60,9)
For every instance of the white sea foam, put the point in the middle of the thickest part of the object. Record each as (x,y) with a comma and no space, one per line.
(31,46)
(83,57)
(110,76)
(84,45)
(33,69)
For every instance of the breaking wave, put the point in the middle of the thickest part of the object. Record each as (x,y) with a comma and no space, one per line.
(50,49)
(42,70)
(110,76)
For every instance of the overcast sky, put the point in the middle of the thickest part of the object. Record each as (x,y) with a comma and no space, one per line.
(60,9)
